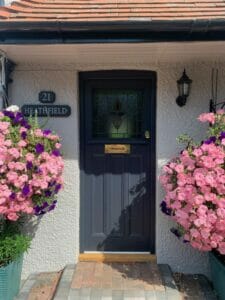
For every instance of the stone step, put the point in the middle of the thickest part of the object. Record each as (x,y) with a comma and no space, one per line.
(106,281)
(40,286)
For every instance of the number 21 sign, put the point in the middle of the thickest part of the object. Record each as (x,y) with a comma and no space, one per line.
(46,97)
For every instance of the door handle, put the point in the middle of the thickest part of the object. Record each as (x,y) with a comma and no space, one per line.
(147,134)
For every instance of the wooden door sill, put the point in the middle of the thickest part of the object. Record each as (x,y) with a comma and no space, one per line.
(123,258)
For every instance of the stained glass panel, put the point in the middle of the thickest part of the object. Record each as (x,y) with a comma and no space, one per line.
(117,113)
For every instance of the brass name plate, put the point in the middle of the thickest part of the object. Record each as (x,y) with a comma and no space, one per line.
(117,149)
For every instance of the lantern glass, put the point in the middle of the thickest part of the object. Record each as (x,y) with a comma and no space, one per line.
(184,84)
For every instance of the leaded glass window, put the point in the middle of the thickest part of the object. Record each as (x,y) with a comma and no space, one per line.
(117,113)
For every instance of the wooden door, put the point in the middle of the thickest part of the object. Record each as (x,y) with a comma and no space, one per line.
(117,110)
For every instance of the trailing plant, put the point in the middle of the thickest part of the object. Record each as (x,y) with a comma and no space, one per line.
(194,183)
(31,166)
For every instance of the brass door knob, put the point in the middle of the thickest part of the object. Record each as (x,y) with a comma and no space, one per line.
(147,134)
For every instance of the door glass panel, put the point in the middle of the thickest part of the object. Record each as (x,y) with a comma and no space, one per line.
(117,113)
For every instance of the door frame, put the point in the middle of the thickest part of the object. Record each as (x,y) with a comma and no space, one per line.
(117,74)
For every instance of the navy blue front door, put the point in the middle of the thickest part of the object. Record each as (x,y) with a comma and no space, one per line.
(117,112)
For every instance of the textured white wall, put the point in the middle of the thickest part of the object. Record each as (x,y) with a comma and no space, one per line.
(56,242)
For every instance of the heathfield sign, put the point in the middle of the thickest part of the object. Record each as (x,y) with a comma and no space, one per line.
(46,110)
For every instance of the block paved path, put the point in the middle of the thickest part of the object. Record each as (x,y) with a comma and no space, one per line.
(118,281)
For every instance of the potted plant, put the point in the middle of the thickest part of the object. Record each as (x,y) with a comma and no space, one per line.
(12,246)
(194,184)
(31,167)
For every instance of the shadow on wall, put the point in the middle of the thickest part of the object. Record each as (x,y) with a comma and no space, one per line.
(31,225)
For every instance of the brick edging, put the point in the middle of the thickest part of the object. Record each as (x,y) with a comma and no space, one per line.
(63,289)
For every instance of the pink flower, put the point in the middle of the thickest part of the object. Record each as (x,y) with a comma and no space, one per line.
(222,248)
(22,144)
(14,152)
(207,117)
(12,216)
(30,157)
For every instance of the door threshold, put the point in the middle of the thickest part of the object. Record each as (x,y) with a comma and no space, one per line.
(115,252)
(123,257)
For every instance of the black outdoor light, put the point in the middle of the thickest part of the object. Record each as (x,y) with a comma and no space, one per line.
(184,86)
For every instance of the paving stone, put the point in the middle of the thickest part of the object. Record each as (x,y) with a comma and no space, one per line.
(171,288)
(160,295)
(63,289)
(106,294)
(118,281)
(74,294)
(118,295)
(45,286)
(96,294)
(150,295)
(24,293)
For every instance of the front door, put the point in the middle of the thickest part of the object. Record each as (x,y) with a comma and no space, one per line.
(117,160)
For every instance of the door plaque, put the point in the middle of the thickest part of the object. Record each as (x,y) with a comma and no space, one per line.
(117,149)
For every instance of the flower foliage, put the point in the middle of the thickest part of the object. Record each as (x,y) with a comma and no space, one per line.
(194,183)
(31,167)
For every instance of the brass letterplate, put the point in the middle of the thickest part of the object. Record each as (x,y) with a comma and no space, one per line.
(117,149)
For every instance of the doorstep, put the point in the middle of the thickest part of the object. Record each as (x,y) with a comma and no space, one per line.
(116,257)
(116,281)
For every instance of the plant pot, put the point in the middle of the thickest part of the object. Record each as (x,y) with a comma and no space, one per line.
(218,275)
(10,277)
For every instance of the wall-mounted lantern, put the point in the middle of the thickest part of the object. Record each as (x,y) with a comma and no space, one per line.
(184,86)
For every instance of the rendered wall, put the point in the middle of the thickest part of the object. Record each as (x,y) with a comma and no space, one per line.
(56,241)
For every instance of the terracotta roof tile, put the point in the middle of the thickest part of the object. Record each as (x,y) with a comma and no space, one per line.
(112,10)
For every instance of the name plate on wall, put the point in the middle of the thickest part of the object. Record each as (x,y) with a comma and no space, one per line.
(48,110)
(117,149)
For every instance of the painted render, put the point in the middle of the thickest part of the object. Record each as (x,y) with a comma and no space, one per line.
(56,241)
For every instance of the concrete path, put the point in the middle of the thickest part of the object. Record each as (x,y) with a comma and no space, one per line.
(118,281)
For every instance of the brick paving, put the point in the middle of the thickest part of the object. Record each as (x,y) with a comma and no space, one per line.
(118,276)
(105,281)
(117,281)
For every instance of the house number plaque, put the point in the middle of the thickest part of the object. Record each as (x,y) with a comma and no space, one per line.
(46,109)
(117,149)
(46,97)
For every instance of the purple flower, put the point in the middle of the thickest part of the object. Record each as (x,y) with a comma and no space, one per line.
(18,118)
(37,170)
(211,140)
(48,193)
(166,210)
(222,135)
(37,210)
(56,152)
(25,190)
(29,165)
(25,124)
(58,187)
(44,205)
(9,114)
(52,206)
(47,131)
(12,196)
(23,135)
(52,183)
(39,148)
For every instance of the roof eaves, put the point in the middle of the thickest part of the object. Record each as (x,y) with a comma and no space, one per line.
(16,32)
